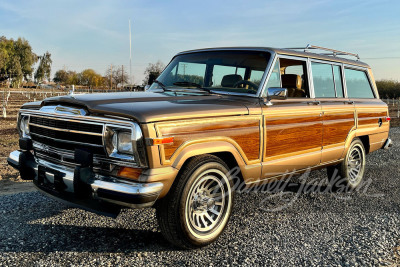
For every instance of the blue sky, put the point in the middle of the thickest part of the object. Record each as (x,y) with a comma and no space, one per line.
(94,34)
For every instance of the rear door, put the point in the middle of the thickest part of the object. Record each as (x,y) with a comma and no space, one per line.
(338,111)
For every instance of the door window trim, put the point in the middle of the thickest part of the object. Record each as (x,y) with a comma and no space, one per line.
(279,56)
(332,63)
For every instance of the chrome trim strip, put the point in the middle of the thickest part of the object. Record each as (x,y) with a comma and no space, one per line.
(65,130)
(267,75)
(67,141)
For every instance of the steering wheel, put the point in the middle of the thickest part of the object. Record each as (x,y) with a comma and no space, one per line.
(236,85)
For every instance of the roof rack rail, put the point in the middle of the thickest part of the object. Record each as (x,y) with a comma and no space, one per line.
(333,52)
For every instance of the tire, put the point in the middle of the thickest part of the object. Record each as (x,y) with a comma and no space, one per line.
(197,208)
(349,173)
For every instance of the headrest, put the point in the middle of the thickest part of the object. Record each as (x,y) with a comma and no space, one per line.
(230,80)
(291,81)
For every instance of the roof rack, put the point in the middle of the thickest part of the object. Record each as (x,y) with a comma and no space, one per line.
(333,52)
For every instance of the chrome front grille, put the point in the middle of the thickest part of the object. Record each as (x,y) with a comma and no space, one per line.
(56,136)
(66,134)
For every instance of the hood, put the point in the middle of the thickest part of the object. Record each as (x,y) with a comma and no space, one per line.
(155,106)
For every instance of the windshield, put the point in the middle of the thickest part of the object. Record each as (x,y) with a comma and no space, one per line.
(223,71)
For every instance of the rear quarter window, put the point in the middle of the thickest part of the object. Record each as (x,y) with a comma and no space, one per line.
(357,84)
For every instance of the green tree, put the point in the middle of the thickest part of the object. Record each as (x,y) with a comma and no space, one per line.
(388,88)
(90,78)
(16,60)
(61,77)
(44,69)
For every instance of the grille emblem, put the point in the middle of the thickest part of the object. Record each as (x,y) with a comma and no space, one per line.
(68,110)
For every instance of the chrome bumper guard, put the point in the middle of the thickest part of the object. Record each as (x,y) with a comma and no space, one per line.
(107,194)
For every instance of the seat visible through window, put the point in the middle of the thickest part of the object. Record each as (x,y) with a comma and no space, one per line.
(293,83)
(230,79)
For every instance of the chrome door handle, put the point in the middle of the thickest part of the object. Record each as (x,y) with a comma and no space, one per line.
(314,102)
(350,102)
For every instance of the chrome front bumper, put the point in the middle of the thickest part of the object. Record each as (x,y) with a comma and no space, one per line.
(107,194)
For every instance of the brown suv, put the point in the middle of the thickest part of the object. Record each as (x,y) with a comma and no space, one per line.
(263,112)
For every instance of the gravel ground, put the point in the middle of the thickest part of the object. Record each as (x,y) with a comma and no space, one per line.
(361,228)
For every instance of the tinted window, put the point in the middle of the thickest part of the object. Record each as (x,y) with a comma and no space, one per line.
(357,84)
(338,81)
(323,80)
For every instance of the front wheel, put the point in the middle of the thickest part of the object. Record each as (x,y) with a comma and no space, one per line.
(199,204)
(350,171)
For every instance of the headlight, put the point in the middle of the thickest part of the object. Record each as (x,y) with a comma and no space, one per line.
(24,126)
(125,143)
(119,142)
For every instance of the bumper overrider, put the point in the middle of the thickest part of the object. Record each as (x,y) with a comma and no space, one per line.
(81,187)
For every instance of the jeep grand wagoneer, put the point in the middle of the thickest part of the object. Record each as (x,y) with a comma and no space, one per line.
(263,111)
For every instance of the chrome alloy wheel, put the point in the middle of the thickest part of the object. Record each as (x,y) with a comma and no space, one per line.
(355,164)
(208,202)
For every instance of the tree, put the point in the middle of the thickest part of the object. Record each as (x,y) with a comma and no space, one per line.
(153,70)
(16,60)
(26,57)
(44,69)
(90,78)
(119,76)
(61,77)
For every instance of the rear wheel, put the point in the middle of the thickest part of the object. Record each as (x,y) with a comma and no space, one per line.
(198,206)
(350,172)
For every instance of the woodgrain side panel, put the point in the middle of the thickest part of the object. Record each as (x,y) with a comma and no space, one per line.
(293,133)
(366,117)
(246,132)
(337,126)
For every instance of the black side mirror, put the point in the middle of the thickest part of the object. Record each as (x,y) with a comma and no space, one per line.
(277,93)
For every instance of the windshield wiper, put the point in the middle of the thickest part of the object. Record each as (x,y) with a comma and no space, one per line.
(198,86)
(161,85)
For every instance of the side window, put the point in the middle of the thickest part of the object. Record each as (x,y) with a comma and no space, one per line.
(294,77)
(357,84)
(274,78)
(323,80)
(338,80)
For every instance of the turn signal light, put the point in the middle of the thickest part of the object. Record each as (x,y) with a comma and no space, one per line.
(128,172)
(388,119)
(161,141)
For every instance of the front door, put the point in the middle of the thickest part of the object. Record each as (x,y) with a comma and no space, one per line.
(292,127)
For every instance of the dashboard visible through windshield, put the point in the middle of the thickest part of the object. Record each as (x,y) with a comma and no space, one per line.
(219,71)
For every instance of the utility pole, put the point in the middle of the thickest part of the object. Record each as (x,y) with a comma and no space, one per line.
(111,77)
(130,54)
(122,83)
(184,69)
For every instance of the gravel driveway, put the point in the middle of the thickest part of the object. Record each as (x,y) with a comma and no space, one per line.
(361,228)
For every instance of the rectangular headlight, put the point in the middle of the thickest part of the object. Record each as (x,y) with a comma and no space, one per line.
(124,143)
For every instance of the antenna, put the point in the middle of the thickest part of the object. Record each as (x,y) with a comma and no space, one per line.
(130,53)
